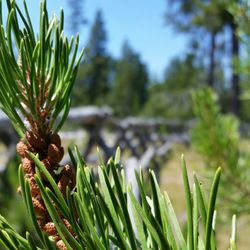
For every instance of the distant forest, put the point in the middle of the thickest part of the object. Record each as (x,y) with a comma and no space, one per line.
(215,60)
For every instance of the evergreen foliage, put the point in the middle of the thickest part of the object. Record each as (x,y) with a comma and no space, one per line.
(77,15)
(92,84)
(216,137)
(211,18)
(172,97)
(100,219)
(35,94)
(10,199)
(38,85)
(129,92)
(72,210)
(242,18)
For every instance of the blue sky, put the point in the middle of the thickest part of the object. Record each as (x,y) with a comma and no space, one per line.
(141,22)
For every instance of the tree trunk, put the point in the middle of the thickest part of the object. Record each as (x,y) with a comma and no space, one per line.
(210,79)
(235,102)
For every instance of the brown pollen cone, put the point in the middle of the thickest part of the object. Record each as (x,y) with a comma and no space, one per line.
(50,228)
(39,207)
(60,245)
(50,152)
(28,166)
(22,148)
(35,191)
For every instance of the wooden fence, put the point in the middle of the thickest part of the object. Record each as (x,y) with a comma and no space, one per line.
(144,140)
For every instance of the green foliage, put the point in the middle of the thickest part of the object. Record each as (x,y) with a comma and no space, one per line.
(242,18)
(100,217)
(9,198)
(187,72)
(163,103)
(208,19)
(217,138)
(39,84)
(92,83)
(77,15)
(199,13)
(95,214)
(172,98)
(129,92)
(215,135)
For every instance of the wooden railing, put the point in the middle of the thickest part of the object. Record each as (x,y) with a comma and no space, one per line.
(144,141)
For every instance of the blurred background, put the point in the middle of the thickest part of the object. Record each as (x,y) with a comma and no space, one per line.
(159,78)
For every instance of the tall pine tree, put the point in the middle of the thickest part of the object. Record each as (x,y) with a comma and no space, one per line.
(212,17)
(93,77)
(77,17)
(129,92)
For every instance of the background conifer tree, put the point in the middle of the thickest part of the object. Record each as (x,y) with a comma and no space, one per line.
(129,92)
(92,85)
